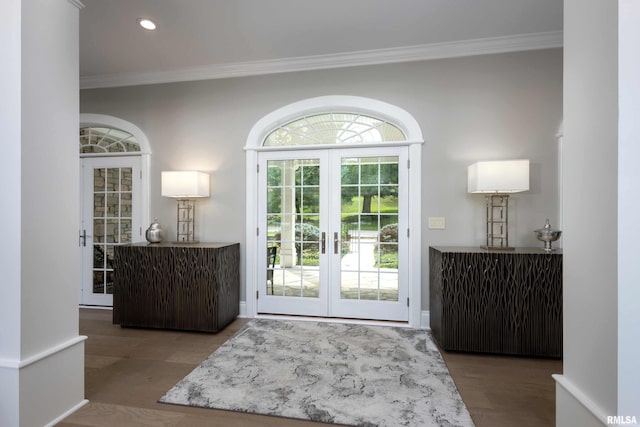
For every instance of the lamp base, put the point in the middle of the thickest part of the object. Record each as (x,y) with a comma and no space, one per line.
(186,225)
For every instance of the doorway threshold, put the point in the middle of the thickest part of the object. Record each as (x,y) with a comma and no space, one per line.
(392,323)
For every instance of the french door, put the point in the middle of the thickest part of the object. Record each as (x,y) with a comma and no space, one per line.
(333,233)
(110,216)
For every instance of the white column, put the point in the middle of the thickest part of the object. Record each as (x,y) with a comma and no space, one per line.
(10,169)
(41,353)
(600,384)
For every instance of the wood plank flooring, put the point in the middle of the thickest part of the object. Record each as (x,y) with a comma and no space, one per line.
(128,370)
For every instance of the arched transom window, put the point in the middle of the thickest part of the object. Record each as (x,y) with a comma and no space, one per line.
(107,140)
(334,128)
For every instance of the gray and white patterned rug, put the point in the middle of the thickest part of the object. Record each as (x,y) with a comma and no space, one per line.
(329,372)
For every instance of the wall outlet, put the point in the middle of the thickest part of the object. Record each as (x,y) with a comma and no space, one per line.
(436,222)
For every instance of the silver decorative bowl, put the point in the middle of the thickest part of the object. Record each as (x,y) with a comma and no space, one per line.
(547,235)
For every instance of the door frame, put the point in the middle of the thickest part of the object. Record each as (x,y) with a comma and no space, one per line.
(89,119)
(414,141)
(87,216)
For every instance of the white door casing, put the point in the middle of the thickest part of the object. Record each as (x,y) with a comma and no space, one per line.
(110,205)
(140,161)
(413,143)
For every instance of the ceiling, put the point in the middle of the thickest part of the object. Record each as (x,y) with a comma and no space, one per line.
(198,39)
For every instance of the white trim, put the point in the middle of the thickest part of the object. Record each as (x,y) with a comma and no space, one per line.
(332,146)
(375,108)
(251,251)
(560,141)
(65,414)
(580,397)
(415,236)
(490,45)
(322,104)
(424,318)
(95,307)
(335,320)
(425,323)
(109,154)
(19,364)
(87,119)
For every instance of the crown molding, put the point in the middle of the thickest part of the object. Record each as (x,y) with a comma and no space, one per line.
(424,52)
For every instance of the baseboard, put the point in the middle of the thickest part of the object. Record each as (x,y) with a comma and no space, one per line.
(45,387)
(573,407)
(425,323)
(66,413)
(96,307)
(243,309)
(19,364)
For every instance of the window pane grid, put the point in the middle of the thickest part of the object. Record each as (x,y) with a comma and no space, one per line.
(112,221)
(369,192)
(107,140)
(334,128)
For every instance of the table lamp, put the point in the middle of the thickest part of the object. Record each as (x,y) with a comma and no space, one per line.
(498,179)
(185,186)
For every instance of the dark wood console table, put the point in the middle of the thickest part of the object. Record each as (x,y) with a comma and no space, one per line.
(194,286)
(506,302)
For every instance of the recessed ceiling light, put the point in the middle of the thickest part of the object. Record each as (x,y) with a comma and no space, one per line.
(147,23)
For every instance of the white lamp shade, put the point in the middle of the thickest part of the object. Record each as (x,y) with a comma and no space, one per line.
(185,184)
(503,176)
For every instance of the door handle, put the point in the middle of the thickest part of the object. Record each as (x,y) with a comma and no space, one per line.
(82,238)
(324,242)
(335,242)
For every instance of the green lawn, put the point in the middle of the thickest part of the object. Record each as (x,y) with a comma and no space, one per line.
(388,204)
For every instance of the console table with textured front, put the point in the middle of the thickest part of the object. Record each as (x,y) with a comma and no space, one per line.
(506,302)
(183,286)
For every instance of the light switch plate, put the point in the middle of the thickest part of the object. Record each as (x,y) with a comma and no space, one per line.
(436,222)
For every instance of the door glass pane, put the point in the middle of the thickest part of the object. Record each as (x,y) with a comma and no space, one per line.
(369,224)
(112,223)
(293,236)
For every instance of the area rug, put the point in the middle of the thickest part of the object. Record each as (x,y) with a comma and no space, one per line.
(328,372)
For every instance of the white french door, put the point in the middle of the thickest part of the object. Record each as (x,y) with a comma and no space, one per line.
(332,228)
(110,215)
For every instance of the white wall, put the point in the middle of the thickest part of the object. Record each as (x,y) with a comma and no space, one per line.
(601,276)
(43,356)
(476,108)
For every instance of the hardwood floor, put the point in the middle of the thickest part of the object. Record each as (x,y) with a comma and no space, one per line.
(128,370)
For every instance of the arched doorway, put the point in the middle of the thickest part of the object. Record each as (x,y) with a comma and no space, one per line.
(328,202)
(114,157)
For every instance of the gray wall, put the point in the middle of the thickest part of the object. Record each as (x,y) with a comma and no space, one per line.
(487,107)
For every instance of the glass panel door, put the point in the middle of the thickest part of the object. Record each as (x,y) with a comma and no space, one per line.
(109,218)
(292,202)
(329,235)
(370,274)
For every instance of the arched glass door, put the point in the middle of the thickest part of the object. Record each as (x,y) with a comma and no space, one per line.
(110,193)
(331,220)
(320,128)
